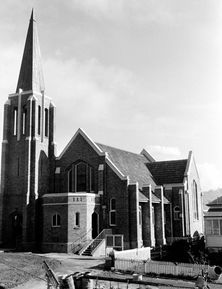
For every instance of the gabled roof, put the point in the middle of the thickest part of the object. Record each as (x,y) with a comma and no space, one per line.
(31,74)
(130,164)
(168,172)
(216,202)
(87,139)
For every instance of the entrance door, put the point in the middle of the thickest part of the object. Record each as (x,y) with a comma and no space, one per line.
(16,226)
(95,225)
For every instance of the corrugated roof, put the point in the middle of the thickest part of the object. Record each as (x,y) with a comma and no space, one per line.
(130,164)
(168,172)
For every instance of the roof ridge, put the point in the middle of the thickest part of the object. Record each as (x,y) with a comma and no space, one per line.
(168,161)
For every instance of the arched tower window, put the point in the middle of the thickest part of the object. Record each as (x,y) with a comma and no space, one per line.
(46,122)
(39,119)
(15,120)
(56,220)
(24,121)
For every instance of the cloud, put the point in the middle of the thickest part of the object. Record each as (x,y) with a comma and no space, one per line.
(121,10)
(143,11)
(88,95)
(210,176)
(164,152)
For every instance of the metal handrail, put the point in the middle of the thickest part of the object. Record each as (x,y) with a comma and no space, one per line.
(93,244)
(77,242)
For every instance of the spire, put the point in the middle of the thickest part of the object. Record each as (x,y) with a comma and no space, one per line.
(31,74)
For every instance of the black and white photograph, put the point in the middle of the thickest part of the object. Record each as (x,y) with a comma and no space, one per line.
(111,144)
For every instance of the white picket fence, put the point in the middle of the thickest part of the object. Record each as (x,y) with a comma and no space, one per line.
(159,267)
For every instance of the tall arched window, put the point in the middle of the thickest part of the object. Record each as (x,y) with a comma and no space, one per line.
(56,220)
(81,173)
(91,180)
(80,177)
(195,201)
(70,180)
(112,212)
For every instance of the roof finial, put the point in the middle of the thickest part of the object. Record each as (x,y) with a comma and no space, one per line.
(32,18)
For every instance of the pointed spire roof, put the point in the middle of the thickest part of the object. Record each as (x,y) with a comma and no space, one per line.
(31,74)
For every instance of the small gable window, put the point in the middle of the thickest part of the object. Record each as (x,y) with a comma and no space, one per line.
(56,220)
(112,212)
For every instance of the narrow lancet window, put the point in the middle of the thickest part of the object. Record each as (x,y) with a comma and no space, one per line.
(46,122)
(18,167)
(24,120)
(15,120)
(70,180)
(39,119)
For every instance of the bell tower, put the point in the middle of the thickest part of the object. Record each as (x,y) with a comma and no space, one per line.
(27,150)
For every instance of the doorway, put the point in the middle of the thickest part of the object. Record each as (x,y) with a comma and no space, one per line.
(95,225)
(16,226)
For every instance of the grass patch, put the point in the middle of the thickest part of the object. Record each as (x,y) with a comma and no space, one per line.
(18,268)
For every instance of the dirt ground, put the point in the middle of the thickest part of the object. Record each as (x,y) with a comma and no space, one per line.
(18,268)
(68,264)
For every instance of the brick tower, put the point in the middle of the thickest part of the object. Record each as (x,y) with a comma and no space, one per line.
(27,151)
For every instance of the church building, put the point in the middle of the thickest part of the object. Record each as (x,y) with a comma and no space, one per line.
(53,203)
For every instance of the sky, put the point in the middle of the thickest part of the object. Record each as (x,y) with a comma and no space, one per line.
(132,74)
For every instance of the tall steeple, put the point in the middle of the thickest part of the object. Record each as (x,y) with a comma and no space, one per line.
(31,73)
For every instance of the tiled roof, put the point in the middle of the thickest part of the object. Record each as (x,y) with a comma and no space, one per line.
(130,164)
(217,201)
(142,198)
(168,172)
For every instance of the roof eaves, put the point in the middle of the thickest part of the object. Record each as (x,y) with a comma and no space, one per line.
(147,155)
(115,168)
(190,157)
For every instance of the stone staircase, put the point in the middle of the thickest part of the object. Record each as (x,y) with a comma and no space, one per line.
(91,247)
